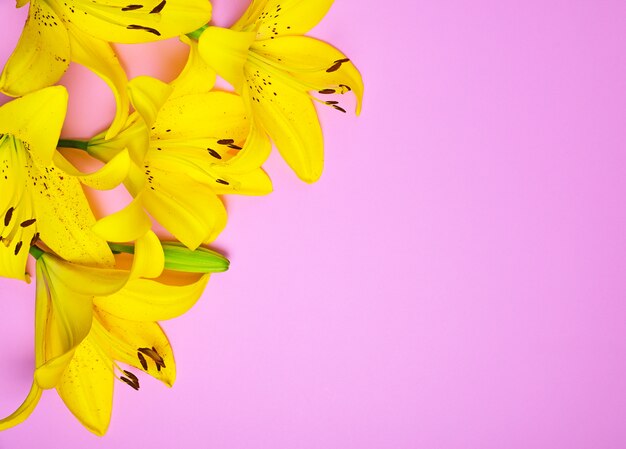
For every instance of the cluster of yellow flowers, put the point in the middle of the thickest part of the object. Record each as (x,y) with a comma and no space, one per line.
(102,285)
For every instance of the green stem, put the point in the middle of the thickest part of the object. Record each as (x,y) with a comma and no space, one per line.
(195,35)
(70,143)
(119,248)
(36,252)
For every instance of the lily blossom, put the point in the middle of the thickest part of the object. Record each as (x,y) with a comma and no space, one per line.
(279,72)
(40,192)
(187,150)
(88,320)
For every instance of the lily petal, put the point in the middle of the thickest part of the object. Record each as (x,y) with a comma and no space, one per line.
(69,323)
(186,208)
(108,177)
(64,218)
(256,182)
(69,289)
(98,56)
(226,51)
(148,95)
(254,153)
(42,54)
(124,225)
(289,117)
(19,210)
(191,121)
(12,266)
(149,259)
(24,410)
(212,114)
(143,21)
(196,77)
(151,300)
(36,119)
(285,17)
(84,280)
(42,309)
(86,386)
(134,137)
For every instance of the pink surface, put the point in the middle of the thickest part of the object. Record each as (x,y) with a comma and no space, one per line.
(455,280)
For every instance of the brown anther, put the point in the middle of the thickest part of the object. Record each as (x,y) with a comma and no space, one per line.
(334,67)
(214,153)
(327,91)
(18,247)
(221,181)
(154,355)
(337,65)
(8,215)
(143,28)
(132,7)
(225,141)
(339,108)
(27,223)
(234,147)
(142,360)
(133,385)
(158,8)
(131,376)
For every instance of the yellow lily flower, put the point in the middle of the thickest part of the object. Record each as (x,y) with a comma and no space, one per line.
(60,31)
(278,72)
(185,150)
(40,192)
(89,319)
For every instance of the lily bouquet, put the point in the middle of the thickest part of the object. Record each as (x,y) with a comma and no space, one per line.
(103,285)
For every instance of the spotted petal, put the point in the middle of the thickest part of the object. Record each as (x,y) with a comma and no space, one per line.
(290,119)
(137,21)
(212,128)
(273,18)
(42,54)
(64,218)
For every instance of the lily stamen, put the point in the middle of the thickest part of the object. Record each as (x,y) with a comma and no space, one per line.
(130,380)
(142,360)
(154,355)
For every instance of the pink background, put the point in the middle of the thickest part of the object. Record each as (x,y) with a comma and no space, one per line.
(455,280)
